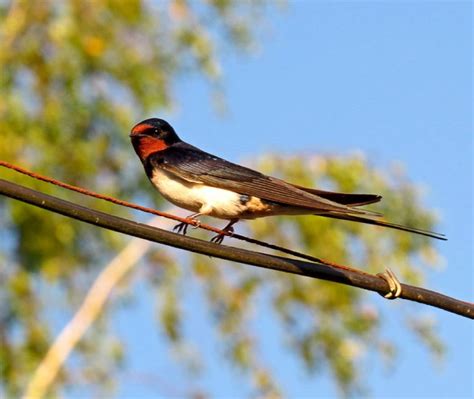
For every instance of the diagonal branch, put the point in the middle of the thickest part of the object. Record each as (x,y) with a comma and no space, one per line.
(167,215)
(310,269)
(87,313)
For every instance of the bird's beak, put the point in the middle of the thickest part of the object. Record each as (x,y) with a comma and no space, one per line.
(140,129)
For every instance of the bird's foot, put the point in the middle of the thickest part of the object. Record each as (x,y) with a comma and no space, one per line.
(182,228)
(217,239)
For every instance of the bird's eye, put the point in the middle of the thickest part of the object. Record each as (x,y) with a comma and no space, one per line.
(156,131)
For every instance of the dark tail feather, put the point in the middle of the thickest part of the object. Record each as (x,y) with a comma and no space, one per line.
(344,199)
(362,219)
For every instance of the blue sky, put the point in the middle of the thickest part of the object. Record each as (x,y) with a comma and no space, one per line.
(390,79)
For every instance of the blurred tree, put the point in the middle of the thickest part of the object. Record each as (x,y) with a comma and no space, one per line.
(74,77)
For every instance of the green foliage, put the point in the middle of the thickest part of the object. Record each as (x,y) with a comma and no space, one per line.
(326,325)
(74,77)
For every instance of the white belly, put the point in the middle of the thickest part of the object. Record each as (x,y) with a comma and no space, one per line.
(195,197)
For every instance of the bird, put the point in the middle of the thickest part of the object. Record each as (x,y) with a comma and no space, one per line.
(208,185)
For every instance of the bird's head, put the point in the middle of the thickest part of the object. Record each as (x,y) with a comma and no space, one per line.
(152,135)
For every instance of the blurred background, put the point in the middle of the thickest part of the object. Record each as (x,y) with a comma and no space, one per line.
(352,96)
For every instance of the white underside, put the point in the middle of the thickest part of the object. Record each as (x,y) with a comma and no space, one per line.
(195,197)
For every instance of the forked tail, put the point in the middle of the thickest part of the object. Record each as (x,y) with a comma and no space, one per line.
(376,222)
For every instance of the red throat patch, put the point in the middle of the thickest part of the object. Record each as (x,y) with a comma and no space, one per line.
(148,145)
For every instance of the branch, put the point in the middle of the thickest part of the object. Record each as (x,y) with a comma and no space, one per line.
(87,313)
(167,215)
(310,269)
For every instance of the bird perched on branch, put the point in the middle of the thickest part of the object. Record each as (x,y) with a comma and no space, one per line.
(208,185)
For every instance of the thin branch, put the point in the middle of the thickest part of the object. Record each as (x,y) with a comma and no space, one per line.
(310,269)
(87,313)
(167,215)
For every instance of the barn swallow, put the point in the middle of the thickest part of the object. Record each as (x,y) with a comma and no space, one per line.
(208,185)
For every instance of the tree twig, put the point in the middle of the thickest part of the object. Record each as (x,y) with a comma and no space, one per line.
(87,313)
(322,271)
(167,215)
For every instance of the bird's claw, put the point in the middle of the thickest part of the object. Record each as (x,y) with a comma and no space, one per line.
(181,228)
(218,238)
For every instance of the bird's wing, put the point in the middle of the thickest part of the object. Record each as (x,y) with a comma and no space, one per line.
(193,165)
(343,198)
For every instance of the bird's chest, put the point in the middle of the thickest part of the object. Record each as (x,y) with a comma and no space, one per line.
(196,197)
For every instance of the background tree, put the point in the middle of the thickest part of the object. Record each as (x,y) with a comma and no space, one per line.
(75,76)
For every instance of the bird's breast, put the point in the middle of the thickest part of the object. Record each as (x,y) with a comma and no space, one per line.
(217,202)
(197,197)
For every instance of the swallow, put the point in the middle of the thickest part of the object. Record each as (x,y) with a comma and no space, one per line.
(208,185)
